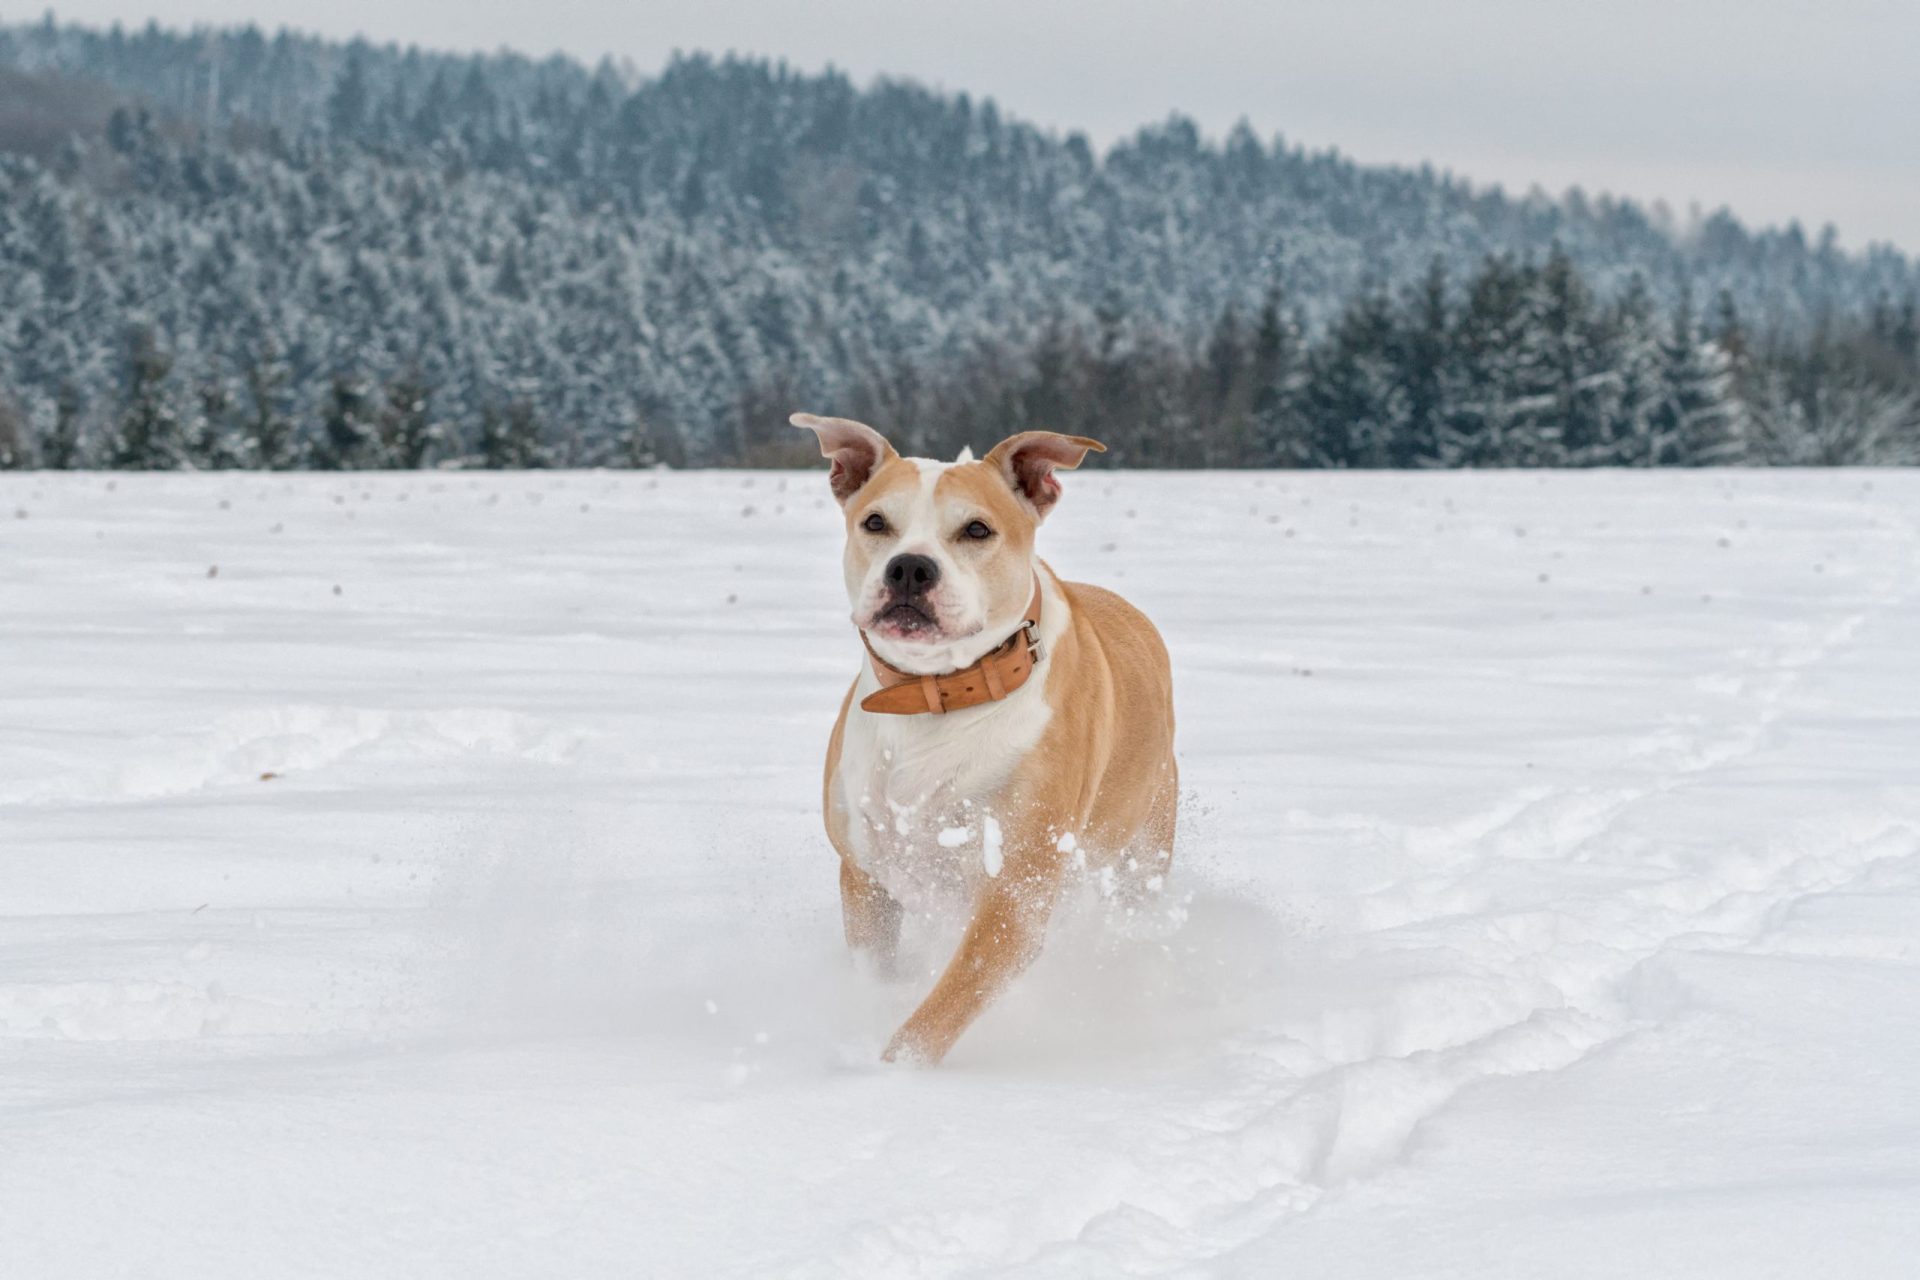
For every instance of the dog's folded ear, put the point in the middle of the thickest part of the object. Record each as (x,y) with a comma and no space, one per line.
(857,451)
(1029,460)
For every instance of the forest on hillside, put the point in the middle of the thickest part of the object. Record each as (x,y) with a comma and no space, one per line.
(230,249)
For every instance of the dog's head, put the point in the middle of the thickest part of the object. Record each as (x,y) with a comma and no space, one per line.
(939,555)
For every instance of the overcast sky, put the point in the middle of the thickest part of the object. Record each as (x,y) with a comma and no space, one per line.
(1778,108)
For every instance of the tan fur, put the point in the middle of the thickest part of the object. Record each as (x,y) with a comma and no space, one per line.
(1102,773)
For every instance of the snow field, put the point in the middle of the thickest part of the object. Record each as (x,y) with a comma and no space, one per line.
(1547,899)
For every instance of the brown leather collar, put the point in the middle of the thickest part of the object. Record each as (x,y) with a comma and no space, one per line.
(1006,668)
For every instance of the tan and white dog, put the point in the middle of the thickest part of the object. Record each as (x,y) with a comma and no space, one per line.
(1007,729)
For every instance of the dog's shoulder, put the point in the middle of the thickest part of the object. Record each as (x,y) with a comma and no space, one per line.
(1120,628)
(1133,663)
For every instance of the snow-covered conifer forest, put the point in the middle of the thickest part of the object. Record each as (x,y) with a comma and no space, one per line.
(233,249)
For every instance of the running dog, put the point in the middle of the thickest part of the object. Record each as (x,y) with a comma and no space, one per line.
(1007,729)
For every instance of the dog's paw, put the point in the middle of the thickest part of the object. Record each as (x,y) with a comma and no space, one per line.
(909,1050)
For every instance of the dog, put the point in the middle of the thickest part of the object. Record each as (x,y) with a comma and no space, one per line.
(1007,731)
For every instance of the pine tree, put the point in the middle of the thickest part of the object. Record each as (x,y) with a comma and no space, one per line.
(1729,331)
(1051,393)
(408,431)
(1278,377)
(1111,391)
(1426,358)
(1635,433)
(1558,412)
(1357,406)
(1698,420)
(1905,337)
(350,438)
(272,442)
(150,437)
(15,440)
(63,448)
(511,439)
(347,104)
(1226,395)
(1488,345)
(215,442)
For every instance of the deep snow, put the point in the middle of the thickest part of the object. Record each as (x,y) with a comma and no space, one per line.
(1547,901)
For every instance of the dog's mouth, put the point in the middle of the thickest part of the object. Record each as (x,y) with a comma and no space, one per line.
(903,618)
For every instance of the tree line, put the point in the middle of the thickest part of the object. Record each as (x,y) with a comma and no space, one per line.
(1521,365)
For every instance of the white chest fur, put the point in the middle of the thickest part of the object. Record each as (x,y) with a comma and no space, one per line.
(920,790)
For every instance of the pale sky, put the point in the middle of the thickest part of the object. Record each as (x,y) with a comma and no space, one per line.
(1777,108)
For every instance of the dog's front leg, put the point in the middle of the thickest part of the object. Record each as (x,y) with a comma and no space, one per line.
(872,918)
(1009,923)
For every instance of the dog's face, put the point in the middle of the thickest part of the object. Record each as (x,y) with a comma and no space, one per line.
(939,555)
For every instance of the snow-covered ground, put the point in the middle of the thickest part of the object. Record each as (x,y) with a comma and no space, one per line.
(437,889)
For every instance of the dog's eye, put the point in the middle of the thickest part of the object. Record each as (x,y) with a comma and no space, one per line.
(875,523)
(977,531)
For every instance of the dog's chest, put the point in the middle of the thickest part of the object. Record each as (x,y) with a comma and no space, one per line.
(920,793)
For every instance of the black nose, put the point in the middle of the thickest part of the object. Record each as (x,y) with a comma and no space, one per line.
(912,575)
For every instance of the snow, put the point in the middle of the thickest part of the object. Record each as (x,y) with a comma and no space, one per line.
(1547,899)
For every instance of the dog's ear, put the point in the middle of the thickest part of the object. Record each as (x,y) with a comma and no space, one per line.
(1028,462)
(857,451)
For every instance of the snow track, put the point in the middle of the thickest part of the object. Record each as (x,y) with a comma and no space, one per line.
(1548,897)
